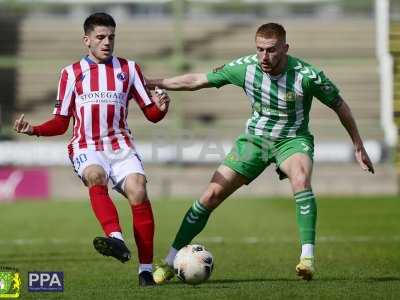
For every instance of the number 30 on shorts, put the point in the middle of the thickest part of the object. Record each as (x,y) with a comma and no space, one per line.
(79,160)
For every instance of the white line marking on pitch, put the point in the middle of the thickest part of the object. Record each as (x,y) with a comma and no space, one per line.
(218,240)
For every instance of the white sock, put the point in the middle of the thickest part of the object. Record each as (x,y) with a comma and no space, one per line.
(307,250)
(171,256)
(145,267)
(117,235)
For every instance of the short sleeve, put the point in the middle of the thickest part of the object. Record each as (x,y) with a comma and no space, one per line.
(323,89)
(139,90)
(65,95)
(227,74)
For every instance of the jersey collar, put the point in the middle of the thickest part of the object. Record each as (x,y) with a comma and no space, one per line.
(91,62)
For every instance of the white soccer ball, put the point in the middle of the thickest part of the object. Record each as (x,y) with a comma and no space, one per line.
(193,264)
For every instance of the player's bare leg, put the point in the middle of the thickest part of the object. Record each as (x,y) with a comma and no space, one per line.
(143,225)
(224,182)
(113,243)
(298,168)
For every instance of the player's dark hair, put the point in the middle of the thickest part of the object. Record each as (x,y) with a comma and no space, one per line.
(98,19)
(272,30)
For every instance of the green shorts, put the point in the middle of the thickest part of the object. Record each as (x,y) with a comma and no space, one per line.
(252,154)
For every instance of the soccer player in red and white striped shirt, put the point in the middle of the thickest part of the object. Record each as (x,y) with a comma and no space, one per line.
(95,92)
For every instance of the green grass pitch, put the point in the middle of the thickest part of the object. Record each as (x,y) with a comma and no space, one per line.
(254,243)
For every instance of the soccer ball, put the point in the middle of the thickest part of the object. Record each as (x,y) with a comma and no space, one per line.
(193,264)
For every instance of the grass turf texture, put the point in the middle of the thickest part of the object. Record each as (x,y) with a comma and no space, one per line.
(254,243)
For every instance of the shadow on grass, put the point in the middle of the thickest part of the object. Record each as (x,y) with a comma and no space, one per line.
(361,279)
(384,278)
(219,281)
(270,280)
(244,280)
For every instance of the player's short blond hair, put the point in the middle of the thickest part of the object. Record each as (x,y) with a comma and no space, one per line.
(271,30)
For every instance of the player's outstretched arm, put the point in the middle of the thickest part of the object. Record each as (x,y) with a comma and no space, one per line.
(22,126)
(346,118)
(56,126)
(186,82)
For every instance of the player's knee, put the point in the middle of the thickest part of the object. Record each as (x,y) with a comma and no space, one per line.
(95,178)
(301,180)
(211,198)
(136,193)
(135,189)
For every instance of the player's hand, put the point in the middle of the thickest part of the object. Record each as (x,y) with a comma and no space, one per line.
(161,99)
(364,160)
(22,126)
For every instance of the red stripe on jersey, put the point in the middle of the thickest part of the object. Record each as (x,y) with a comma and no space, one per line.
(78,77)
(71,108)
(96,127)
(61,89)
(77,122)
(70,150)
(82,140)
(110,125)
(125,70)
(139,71)
(134,92)
(110,77)
(137,97)
(94,77)
(75,133)
(122,127)
(127,108)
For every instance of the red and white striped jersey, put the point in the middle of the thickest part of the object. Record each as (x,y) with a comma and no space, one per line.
(97,97)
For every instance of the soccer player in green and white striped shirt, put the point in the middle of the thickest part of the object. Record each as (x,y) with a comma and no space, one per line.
(280,88)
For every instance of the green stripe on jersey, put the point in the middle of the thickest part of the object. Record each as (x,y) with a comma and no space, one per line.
(291,105)
(272,110)
(256,96)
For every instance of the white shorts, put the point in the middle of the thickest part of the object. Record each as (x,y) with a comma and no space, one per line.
(117,164)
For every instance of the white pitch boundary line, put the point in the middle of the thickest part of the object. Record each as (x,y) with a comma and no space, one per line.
(321,239)
(218,240)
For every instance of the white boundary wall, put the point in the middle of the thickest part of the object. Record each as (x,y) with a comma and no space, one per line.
(382,21)
(47,153)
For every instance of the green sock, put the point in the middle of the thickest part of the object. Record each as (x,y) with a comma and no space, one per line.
(306,212)
(192,224)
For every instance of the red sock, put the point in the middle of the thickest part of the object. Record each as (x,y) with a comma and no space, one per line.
(104,209)
(143,228)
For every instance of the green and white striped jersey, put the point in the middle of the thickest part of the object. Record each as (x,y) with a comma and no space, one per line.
(281,104)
